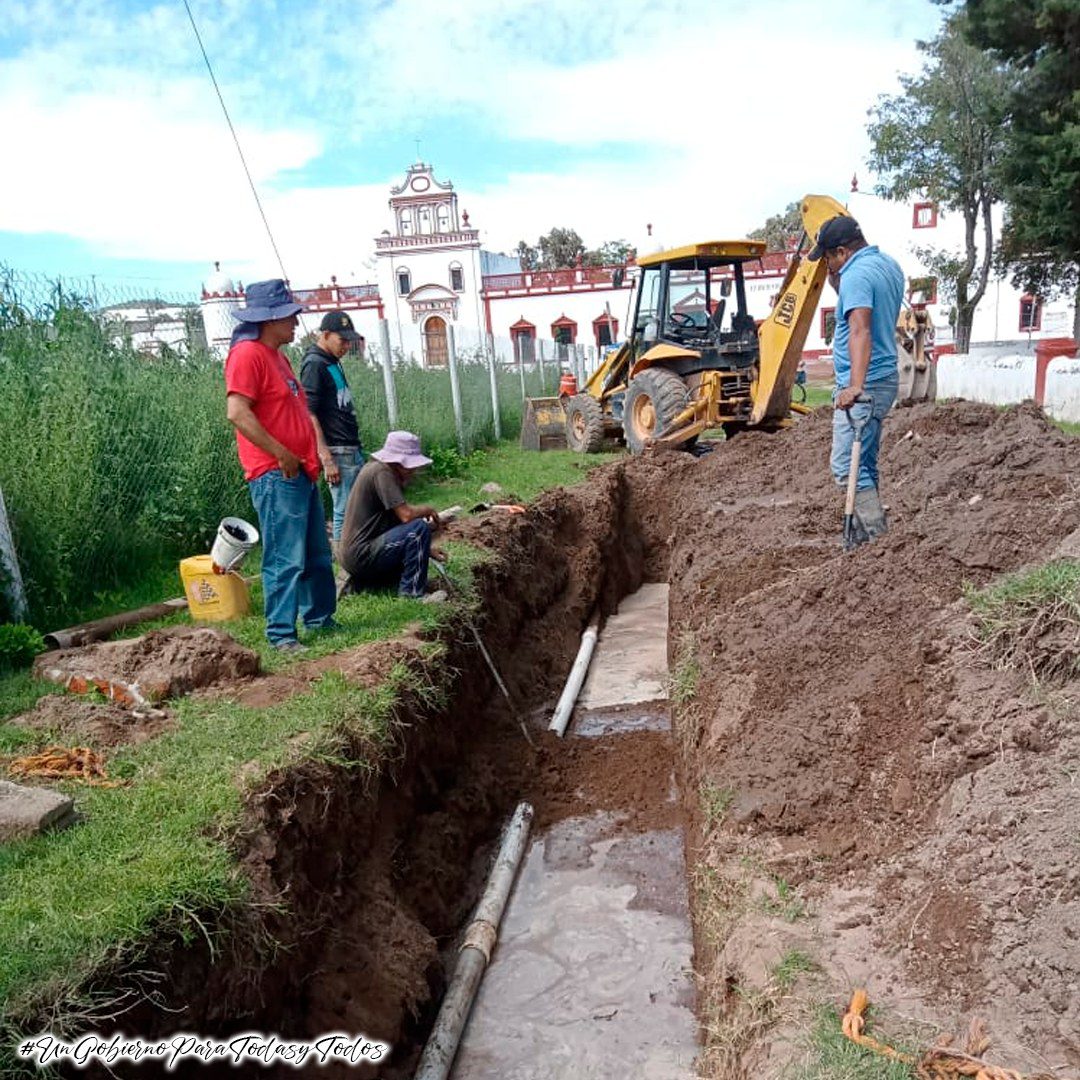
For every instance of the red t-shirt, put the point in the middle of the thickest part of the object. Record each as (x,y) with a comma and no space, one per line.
(264,376)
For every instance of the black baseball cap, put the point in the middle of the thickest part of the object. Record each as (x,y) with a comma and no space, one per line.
(337,322)
(836,232)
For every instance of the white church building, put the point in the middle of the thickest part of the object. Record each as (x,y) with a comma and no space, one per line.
(432,275)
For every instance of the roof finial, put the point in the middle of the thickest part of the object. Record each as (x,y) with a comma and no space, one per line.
(854,181)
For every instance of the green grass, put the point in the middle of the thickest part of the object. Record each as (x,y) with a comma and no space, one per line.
(1030,620)
(687,671)
(817,396)
(522,474)
(715,803)
(834,1057)
(151,855)
(792,964)
(786,904)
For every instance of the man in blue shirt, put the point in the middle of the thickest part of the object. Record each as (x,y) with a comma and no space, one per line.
(871,287)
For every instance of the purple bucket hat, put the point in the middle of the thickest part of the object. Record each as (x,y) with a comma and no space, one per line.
(402,448)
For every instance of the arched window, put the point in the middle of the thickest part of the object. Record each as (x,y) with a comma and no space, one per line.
(443,217)
(457,277)
(404,282)
(406,223)
(424,215)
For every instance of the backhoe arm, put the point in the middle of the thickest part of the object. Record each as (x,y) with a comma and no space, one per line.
(782,335)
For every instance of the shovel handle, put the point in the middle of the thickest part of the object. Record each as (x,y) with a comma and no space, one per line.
(856,456)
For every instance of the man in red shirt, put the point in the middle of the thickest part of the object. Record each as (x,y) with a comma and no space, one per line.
(277,448)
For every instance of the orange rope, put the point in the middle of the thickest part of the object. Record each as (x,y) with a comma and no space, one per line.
(61,763)
(940,1062)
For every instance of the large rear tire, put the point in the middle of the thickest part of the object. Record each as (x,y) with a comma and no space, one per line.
(653,399)
(584,424)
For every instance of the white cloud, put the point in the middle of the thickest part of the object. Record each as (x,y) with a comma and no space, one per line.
(719,114)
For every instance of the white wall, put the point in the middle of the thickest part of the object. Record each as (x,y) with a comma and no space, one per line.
(995,379)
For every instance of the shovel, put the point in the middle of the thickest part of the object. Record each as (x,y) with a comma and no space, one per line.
(851,539)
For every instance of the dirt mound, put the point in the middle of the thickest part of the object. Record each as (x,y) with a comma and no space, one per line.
(159,664)
(76,720)
(366,665)
(855,732)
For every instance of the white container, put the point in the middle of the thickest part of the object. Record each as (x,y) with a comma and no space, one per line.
(235,538)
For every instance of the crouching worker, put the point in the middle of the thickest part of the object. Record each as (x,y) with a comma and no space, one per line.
(385,541)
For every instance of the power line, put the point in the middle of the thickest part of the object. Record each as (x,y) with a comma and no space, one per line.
(228,120)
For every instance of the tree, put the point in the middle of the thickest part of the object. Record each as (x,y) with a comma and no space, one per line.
(528,256)
(781,231)
(940,140)
(1040,161)
(563,249)
(611,253)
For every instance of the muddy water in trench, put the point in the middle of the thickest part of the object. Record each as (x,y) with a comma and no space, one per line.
(592,975)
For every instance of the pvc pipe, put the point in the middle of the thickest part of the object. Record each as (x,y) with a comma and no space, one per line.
(475,953)
(577,676)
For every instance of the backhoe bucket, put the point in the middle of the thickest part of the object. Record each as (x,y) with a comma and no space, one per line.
(543,426)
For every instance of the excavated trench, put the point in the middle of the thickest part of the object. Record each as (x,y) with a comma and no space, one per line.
(360,890)
(832,731)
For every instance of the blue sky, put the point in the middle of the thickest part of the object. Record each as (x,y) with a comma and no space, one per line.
(700,117)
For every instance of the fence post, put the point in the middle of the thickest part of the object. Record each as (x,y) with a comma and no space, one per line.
(388,373)
(490,340)
(543,375)
(579,356)
(521,367)
(10,563)
(592,360)
(455,388)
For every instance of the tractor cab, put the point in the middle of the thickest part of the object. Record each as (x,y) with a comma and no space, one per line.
(693,300)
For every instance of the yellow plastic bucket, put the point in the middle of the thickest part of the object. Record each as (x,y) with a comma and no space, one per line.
(213,597)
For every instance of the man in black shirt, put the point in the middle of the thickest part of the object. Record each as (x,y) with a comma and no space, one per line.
(386,542)
(331,406)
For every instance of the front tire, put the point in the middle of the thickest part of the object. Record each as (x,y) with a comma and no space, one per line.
(653,400)
(584,424)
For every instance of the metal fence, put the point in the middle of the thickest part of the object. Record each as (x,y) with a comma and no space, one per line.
(116,458)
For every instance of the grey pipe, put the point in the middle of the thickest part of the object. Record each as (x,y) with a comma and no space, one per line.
(475,955)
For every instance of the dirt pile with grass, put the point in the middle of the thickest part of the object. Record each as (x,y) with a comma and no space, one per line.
(923,803)
(157,665)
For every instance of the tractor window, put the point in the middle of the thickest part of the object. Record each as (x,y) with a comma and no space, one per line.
(649,302)
(687,301)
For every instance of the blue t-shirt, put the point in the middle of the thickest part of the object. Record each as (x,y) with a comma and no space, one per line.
(869,279)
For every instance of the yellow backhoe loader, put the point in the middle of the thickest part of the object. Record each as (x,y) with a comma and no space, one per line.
(696,359)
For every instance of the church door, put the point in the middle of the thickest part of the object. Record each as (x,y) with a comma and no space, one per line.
(435,350)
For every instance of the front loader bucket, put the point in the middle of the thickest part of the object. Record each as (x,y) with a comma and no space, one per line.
(543,426)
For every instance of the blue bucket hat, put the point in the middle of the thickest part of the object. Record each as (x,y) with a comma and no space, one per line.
(267,300)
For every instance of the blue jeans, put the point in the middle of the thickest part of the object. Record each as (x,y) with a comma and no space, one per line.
(349,461)
(399,557)
(845,423)
(297,572)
